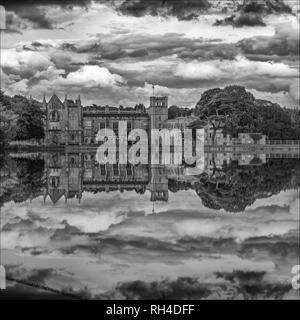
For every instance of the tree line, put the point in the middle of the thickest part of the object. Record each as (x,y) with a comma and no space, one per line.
(20,118)
(232,109)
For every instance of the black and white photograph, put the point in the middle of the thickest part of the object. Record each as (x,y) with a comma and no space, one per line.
(150,151)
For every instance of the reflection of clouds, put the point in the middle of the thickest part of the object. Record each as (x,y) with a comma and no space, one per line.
(237,285)
(111,238)
(233,228)
(283,199)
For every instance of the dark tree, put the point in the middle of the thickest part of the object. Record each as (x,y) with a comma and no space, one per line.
(235,110)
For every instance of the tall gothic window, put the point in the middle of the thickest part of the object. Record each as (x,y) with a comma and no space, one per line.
(54,182)
(54,116)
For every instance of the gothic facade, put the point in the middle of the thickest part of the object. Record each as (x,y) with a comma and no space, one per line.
(68,123)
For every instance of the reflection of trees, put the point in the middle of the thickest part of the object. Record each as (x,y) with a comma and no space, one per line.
(235,187)
(21,179)
(231,187)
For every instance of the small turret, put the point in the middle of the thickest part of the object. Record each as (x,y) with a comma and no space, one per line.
(78,101)
(44,103)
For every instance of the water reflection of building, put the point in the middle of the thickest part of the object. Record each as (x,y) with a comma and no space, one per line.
(214,161)
(63,176)
(158,185)
(69,174)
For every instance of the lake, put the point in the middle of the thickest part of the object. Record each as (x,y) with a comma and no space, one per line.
(71,228)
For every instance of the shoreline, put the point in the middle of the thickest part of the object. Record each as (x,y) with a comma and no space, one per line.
(293,149)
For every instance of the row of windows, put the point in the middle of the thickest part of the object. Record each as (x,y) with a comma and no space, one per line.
(102,125)
(55,116)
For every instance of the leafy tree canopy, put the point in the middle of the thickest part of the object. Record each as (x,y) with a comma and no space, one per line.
(236,110)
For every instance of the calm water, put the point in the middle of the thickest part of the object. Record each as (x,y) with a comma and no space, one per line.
(230,231)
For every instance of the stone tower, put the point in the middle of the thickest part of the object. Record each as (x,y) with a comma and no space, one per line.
(55,122)
(63,124)
(158,111)
(74,124)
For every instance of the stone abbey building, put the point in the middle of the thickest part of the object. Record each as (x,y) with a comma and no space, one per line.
(69,174)
(69,123)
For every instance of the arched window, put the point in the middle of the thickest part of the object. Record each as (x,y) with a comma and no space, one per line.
(54,182)
(54,116)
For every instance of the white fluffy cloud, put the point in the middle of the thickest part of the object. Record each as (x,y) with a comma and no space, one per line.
(25,63)
(91,76)
(234,69)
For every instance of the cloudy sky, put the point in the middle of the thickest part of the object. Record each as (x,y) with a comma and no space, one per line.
(118,249)
(111,52)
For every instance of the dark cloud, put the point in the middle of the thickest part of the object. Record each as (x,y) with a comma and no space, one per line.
(13,4)
(138,53)
(242,276)
(24,292)
(242,20)
(285,42)
(265,7)
(32,284)
(265,84)
(252,285)
(35,12)
(22,18)
(235,285)
(32,14)
(38,276)
(252,13)
(182,288)
(150,47)
(13,23)
(37,16)
(278,248)
(35,46)
(183,9)
(210,51)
